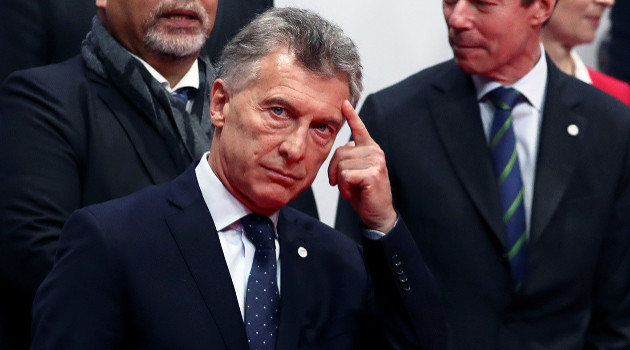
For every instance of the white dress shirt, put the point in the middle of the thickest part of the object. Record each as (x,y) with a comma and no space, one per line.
(226,213)
(526,122)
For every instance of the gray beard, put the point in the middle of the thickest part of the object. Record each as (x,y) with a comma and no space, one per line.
(172,44)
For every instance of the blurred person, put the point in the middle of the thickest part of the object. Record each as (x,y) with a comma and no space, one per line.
(575,22)
(215,259)
(514,179)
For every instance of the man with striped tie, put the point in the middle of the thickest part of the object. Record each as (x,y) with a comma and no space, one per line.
(515,181)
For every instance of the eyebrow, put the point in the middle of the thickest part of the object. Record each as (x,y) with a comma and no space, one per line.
(293,110)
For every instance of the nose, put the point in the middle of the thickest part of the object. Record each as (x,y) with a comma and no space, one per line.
(293,147)
(458,14)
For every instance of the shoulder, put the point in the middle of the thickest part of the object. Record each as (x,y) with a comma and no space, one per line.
(422,81)
(58,85)
(415,93)
(143,209)
(62,73)
(602,111)
(49,100)
(584,96)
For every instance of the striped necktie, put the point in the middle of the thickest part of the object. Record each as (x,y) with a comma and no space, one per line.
(508,174)
(262,299)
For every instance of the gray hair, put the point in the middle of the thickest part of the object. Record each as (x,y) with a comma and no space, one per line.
(318,45)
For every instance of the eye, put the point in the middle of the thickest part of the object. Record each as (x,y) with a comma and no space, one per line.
(484,4)
(321,127)
(277,110)
(324,130)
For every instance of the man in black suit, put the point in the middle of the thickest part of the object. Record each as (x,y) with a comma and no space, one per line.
(42,32)
(98,126)
(570,142)
(182,265)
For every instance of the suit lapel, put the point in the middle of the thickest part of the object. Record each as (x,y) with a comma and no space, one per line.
(193,229)
(557,154)
(295,290)
(130,120)
(458,122)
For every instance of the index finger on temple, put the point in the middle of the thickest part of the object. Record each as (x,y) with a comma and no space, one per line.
(360,135)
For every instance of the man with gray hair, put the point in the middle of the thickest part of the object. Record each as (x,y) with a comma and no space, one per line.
(515,181)
(215,259)
(132,110)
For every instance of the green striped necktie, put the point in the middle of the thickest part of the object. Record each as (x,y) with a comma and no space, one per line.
(508,174)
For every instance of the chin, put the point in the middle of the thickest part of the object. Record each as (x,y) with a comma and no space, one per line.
(271,201)
(465,65)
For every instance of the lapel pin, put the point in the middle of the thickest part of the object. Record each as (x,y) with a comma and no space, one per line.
(573,130)
(302,252)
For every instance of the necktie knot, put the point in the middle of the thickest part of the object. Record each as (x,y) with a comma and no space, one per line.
(504,98)
(183,94)
(259,229)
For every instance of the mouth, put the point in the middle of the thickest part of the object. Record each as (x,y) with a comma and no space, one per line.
(593,19)
(457,42)
(459,49)
(180,18)
(283,177)
(459,46)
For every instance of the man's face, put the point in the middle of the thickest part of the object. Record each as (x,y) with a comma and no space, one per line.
(273,135)
(492,37)
(176,28)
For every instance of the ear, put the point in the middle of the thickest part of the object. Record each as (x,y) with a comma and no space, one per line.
(542,10)
(219,102)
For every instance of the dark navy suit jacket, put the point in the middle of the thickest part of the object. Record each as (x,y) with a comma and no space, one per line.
(68,138)
(148,272)
(576,290)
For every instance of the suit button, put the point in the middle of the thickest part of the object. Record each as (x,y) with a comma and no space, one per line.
(406,287)
(399,270)
(402,278)
(396,260)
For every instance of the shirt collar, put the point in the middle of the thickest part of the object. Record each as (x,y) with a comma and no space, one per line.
(529,85)
(580,70)
(190,79)
(223,206)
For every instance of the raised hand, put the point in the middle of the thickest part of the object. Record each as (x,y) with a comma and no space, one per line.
(360,172)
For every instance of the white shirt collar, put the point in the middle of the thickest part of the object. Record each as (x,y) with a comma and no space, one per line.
(532,85)
(223,206)
(580,70)
(190,79)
